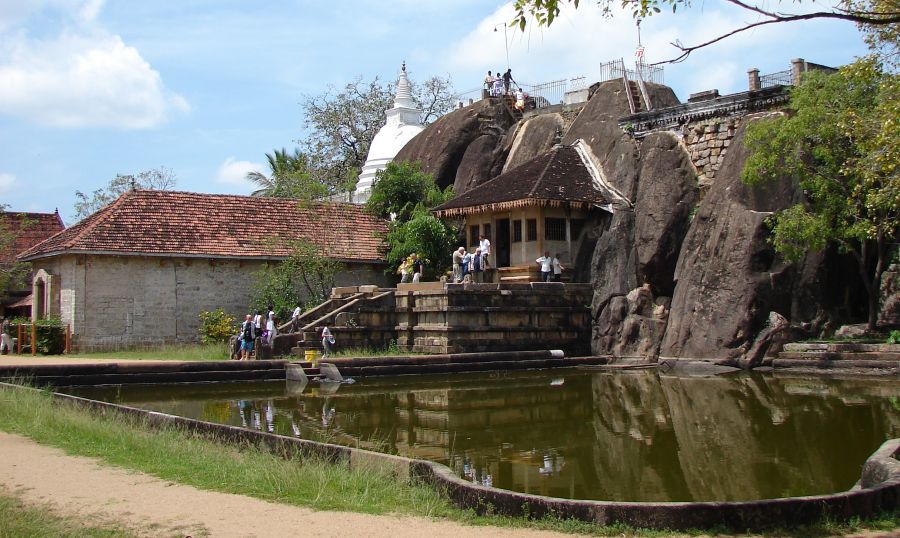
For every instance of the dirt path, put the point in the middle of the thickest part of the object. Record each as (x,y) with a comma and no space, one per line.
(80,486)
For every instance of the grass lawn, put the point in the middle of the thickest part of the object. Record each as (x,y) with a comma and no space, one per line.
(21,519)
(247,470)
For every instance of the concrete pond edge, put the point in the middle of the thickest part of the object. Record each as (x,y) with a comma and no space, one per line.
(877,492)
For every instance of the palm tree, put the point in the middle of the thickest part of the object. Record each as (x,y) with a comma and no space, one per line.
(285,171)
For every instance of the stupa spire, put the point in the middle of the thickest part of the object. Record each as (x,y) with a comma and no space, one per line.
(403,97)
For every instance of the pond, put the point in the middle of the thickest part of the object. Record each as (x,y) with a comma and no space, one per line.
(620,436)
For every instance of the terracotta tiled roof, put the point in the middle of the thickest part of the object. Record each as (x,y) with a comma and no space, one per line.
(558,177)
(29,229)
(167,223)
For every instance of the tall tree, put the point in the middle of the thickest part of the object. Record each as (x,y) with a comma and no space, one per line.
(406,193)
(289,177)
(841,143)
(161,179)
(343,123)
(881,16)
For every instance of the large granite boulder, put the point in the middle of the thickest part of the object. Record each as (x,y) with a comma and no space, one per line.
(728,276)
(667,192)
(534,136)
(444,145)
(632,325)
(598,125)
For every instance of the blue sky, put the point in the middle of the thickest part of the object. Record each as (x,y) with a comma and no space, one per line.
(92,88)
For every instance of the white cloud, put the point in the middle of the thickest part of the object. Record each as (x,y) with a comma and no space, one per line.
(6,183)
(580,40)
(234,172)
(82,77)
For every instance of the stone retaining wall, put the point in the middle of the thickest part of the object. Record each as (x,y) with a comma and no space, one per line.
(878,491)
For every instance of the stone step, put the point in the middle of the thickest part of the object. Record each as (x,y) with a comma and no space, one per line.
(841,347)
(828,364)
(840,356)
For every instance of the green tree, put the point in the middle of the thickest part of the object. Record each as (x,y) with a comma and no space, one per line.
(406,193)
(343,123)
(289,177)
(879,16)
(840,141)
(161,179)
(305,277)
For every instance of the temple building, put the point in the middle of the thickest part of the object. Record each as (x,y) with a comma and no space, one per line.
(547,204)
(403,123)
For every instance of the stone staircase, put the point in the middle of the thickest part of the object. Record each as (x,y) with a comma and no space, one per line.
(633,91)
(838,355)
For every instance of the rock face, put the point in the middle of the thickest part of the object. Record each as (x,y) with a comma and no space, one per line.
(728,277)
(533,137)
(460,147)
(633,325)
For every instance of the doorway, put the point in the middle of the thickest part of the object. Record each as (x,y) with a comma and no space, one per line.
(502,243)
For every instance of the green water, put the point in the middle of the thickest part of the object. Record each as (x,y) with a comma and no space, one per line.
(578,434)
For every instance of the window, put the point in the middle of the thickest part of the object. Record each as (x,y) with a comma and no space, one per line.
(473,234)
(517,231)
(576,225)
(532,229)
(554,229)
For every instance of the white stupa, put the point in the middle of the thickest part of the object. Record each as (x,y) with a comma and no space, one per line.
(403,123)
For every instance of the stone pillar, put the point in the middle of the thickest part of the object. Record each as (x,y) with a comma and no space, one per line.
(753,79)
(798,67)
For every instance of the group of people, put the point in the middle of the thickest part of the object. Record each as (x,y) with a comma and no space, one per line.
(472,264)
(551,269)
(411,268)
(253,327)
(497,85)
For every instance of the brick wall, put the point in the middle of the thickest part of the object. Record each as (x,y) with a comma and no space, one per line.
(707,142)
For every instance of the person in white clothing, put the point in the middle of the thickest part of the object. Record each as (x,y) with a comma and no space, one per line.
(294,317)
(557,268)
(485,246)
(546,266)
(327,342)
(271,330)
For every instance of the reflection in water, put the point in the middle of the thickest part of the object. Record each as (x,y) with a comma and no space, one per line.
(616,436)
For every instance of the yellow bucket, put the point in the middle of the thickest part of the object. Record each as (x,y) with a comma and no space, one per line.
(312,355)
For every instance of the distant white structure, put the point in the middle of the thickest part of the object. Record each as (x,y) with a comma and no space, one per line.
(403,123)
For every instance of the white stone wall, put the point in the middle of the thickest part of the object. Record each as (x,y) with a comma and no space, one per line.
(120,301)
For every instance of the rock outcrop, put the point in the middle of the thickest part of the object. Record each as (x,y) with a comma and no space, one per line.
(728,276)
(461,146)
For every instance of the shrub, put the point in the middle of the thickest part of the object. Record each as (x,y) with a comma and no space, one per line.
(216,326)
(50,335)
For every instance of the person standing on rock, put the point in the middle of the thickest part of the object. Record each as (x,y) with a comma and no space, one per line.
(488,81)
(507,81)
(546,263)
(498,85)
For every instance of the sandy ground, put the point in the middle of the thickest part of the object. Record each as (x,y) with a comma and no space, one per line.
(81,486)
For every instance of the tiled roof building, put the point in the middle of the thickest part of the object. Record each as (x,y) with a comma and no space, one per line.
(29,229)
(560,177)
(547,204)
(140,271)
(167,223)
